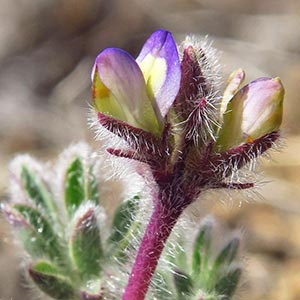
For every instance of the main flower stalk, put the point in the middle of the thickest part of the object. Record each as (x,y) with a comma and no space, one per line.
(157,232)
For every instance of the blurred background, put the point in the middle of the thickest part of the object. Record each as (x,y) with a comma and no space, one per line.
(47,49)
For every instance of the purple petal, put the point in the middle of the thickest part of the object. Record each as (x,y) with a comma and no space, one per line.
(262,106)
(122,77)
(160,64)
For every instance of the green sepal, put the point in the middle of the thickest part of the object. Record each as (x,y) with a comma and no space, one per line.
(183,283)
(229,282)
(37,235)
(38,192)
(47,278)
(85,244)
(80,185)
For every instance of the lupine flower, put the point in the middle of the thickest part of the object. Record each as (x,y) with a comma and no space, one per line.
(139,92)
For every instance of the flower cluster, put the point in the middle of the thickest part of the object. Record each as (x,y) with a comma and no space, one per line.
(167,109)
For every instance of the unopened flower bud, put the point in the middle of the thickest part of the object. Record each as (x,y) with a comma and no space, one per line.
(254,111)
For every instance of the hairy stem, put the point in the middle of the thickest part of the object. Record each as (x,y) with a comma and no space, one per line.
(157,232)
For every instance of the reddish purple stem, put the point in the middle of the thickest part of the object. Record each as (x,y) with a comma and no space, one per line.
(157,232)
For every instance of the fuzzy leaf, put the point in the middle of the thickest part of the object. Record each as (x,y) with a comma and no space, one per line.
(37,191)
(123,218)
(74,185)
(177,255)
(202,244)
(37,234)
(228,253)
(92,192)
(85,245)
(228,283)
(80,185)
(46,277)
(46,267)
(183,283)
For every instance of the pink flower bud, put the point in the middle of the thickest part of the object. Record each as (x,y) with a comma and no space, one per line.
(255,110)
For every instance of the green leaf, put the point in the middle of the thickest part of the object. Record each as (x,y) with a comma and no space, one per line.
(45,267)
(123,219)
(80,185)
(176,254)
(37,192)
(74,185)
(124,229)
(92,187)
(228,283)
(37,234)
(228,253)
(85,245)
(202,247)
(165,281)
(183,283)
(46,277)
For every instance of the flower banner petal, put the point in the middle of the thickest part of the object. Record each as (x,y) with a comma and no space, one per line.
(121,90)
(160,64)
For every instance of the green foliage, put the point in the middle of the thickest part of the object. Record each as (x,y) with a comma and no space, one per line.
(85,244)
(37,191)
(124,228)
(38,236)
(204,274)
(47,278)
(69,248)
(123,218)
(74,185)
(74,254)
(80,185)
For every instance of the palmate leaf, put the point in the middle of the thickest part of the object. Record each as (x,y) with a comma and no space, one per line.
(37,192)
(183,283)
(228,253)
(123,218)
(124,228)
(74,186)
(80,185)
(47,277)
(85,244)
(205,275)
(201,247)
(38,236)
(229,282)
